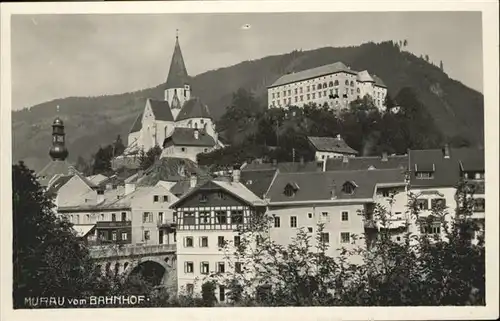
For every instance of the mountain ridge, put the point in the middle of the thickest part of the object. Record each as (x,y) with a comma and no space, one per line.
(93,121)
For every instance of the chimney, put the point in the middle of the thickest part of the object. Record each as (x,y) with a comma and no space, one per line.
(345,159)
(129,188)
(446,151)
(236,173)
(324,165)
(384,156)
(196,134)
(100,196)
(193,180)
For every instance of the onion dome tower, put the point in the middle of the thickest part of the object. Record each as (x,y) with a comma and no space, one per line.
(58,151)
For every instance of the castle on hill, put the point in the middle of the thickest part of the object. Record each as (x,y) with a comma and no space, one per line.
(181,124)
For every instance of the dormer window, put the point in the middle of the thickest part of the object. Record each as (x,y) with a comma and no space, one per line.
(291,189)
(100,192)
(349,187)
(425,171)
(203,198)
(424,175)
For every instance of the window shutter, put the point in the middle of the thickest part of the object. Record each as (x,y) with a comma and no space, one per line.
(200,241)
(184,241)
(201,268)
(185,267)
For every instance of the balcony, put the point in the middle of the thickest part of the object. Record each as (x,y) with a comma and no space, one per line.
(168,224)
(106,251)
(113,224)
(395,222)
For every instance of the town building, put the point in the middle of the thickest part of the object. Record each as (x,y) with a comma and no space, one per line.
(335,85)
(330,147)
(384,161)
(181,124)
(434,176)
(208,218)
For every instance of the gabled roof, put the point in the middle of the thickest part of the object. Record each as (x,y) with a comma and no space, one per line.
(194,108)
(54,167)
(331,144)
(319,186)
(378,81)
(186,137)
(365,162)
(161,110)
(364,76)
(284,167)
(177,74)
(137,125)
(312,73)
(57,184)
(258,181)
(446,171)
(168,169)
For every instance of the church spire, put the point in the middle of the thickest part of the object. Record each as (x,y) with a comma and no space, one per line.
(58,150)
(177,74)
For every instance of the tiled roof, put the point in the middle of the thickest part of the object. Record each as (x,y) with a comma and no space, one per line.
(57,184)
(54,167)
(331,144)
(161,110)
(378,81)
(318,186)
(177,74)
(97,179)
(169,169)
(285,167)
(366,162)
(137,125)
(186,137)
(312,73)
(194,108)
(446,170)
(258,181)
(364,76)
(241,191)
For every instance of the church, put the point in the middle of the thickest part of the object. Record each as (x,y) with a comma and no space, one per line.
(180,124)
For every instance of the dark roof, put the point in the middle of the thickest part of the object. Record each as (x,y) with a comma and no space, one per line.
(331,144)
(161,110)
(54,167)
(356,163)
(258,181)
(312,73)
(170,168)
(137,125)
(378,81)
(194,108)
(285,167)
(57,184)
(177,74)
(186,137)
(318,186)
(446,171)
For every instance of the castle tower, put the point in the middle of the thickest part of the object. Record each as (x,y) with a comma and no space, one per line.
(177,89)
(58,151)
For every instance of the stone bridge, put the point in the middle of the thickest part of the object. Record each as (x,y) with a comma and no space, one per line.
(157,262)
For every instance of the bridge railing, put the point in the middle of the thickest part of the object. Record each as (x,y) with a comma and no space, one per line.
(104,251)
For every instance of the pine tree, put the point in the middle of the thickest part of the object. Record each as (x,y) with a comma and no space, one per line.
(441,65)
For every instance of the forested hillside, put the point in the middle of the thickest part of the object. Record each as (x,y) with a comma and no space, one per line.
(456,110)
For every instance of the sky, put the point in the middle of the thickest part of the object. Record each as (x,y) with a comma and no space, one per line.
(56,56)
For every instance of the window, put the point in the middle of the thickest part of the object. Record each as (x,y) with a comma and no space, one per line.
(204,217)
(320,86)
(424,175)
(220,241)
(146,235)
(308,96)
(87,217)
(147,217)
(183,149)
(296,99)
(124,236)
(289,191)
(313,87)
(273,95)
(237,240)
(188,241)
(188,267)
(221,267)
(348,188)
(113,236)
(203,198)
(345,237)
(165,198)
(222,293)
(347,82)
(276,221)
(398,238)
(300,90)
(313,95)
(432,228)
(124,216)
(319,95)
(160,217)
(330,84)
(310,229)
(189,288)
(204,241)
(301,97)
(310,215)
(205,266)
(438,203)
(479,205)
(358,90)
(422,204)
(221,217)
(324,214)
(289,92)
(385,192)
(155,198)
(113,217)
(352,83)
(102,217)
(237,217)
(345,216)
(277,95)
(293,221)
(237,267)
(295,91)
(325,237)
(188,218)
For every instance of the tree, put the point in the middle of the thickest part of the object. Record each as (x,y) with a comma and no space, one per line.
(405,43)
(83,166)
(149,158)
(441,65)
(119,147)
(102,160)
(427,58)
(208,294)
(48,259)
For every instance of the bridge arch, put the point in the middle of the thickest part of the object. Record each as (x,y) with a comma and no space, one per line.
(155,270)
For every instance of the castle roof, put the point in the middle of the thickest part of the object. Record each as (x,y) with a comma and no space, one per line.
(364,76)
(177,74)
(186,137)
(194,108)
(313,73)
(331,144)
(378,81)
(161,110)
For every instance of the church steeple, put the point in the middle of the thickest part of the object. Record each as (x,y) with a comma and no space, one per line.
(177,74)
(58,150)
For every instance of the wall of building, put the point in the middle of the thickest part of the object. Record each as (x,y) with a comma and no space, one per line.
(200,123)
(189,152)
(183,94)
(71,193)
(325,155)
(164,129)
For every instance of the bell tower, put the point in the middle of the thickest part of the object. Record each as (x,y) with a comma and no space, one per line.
(58,151)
